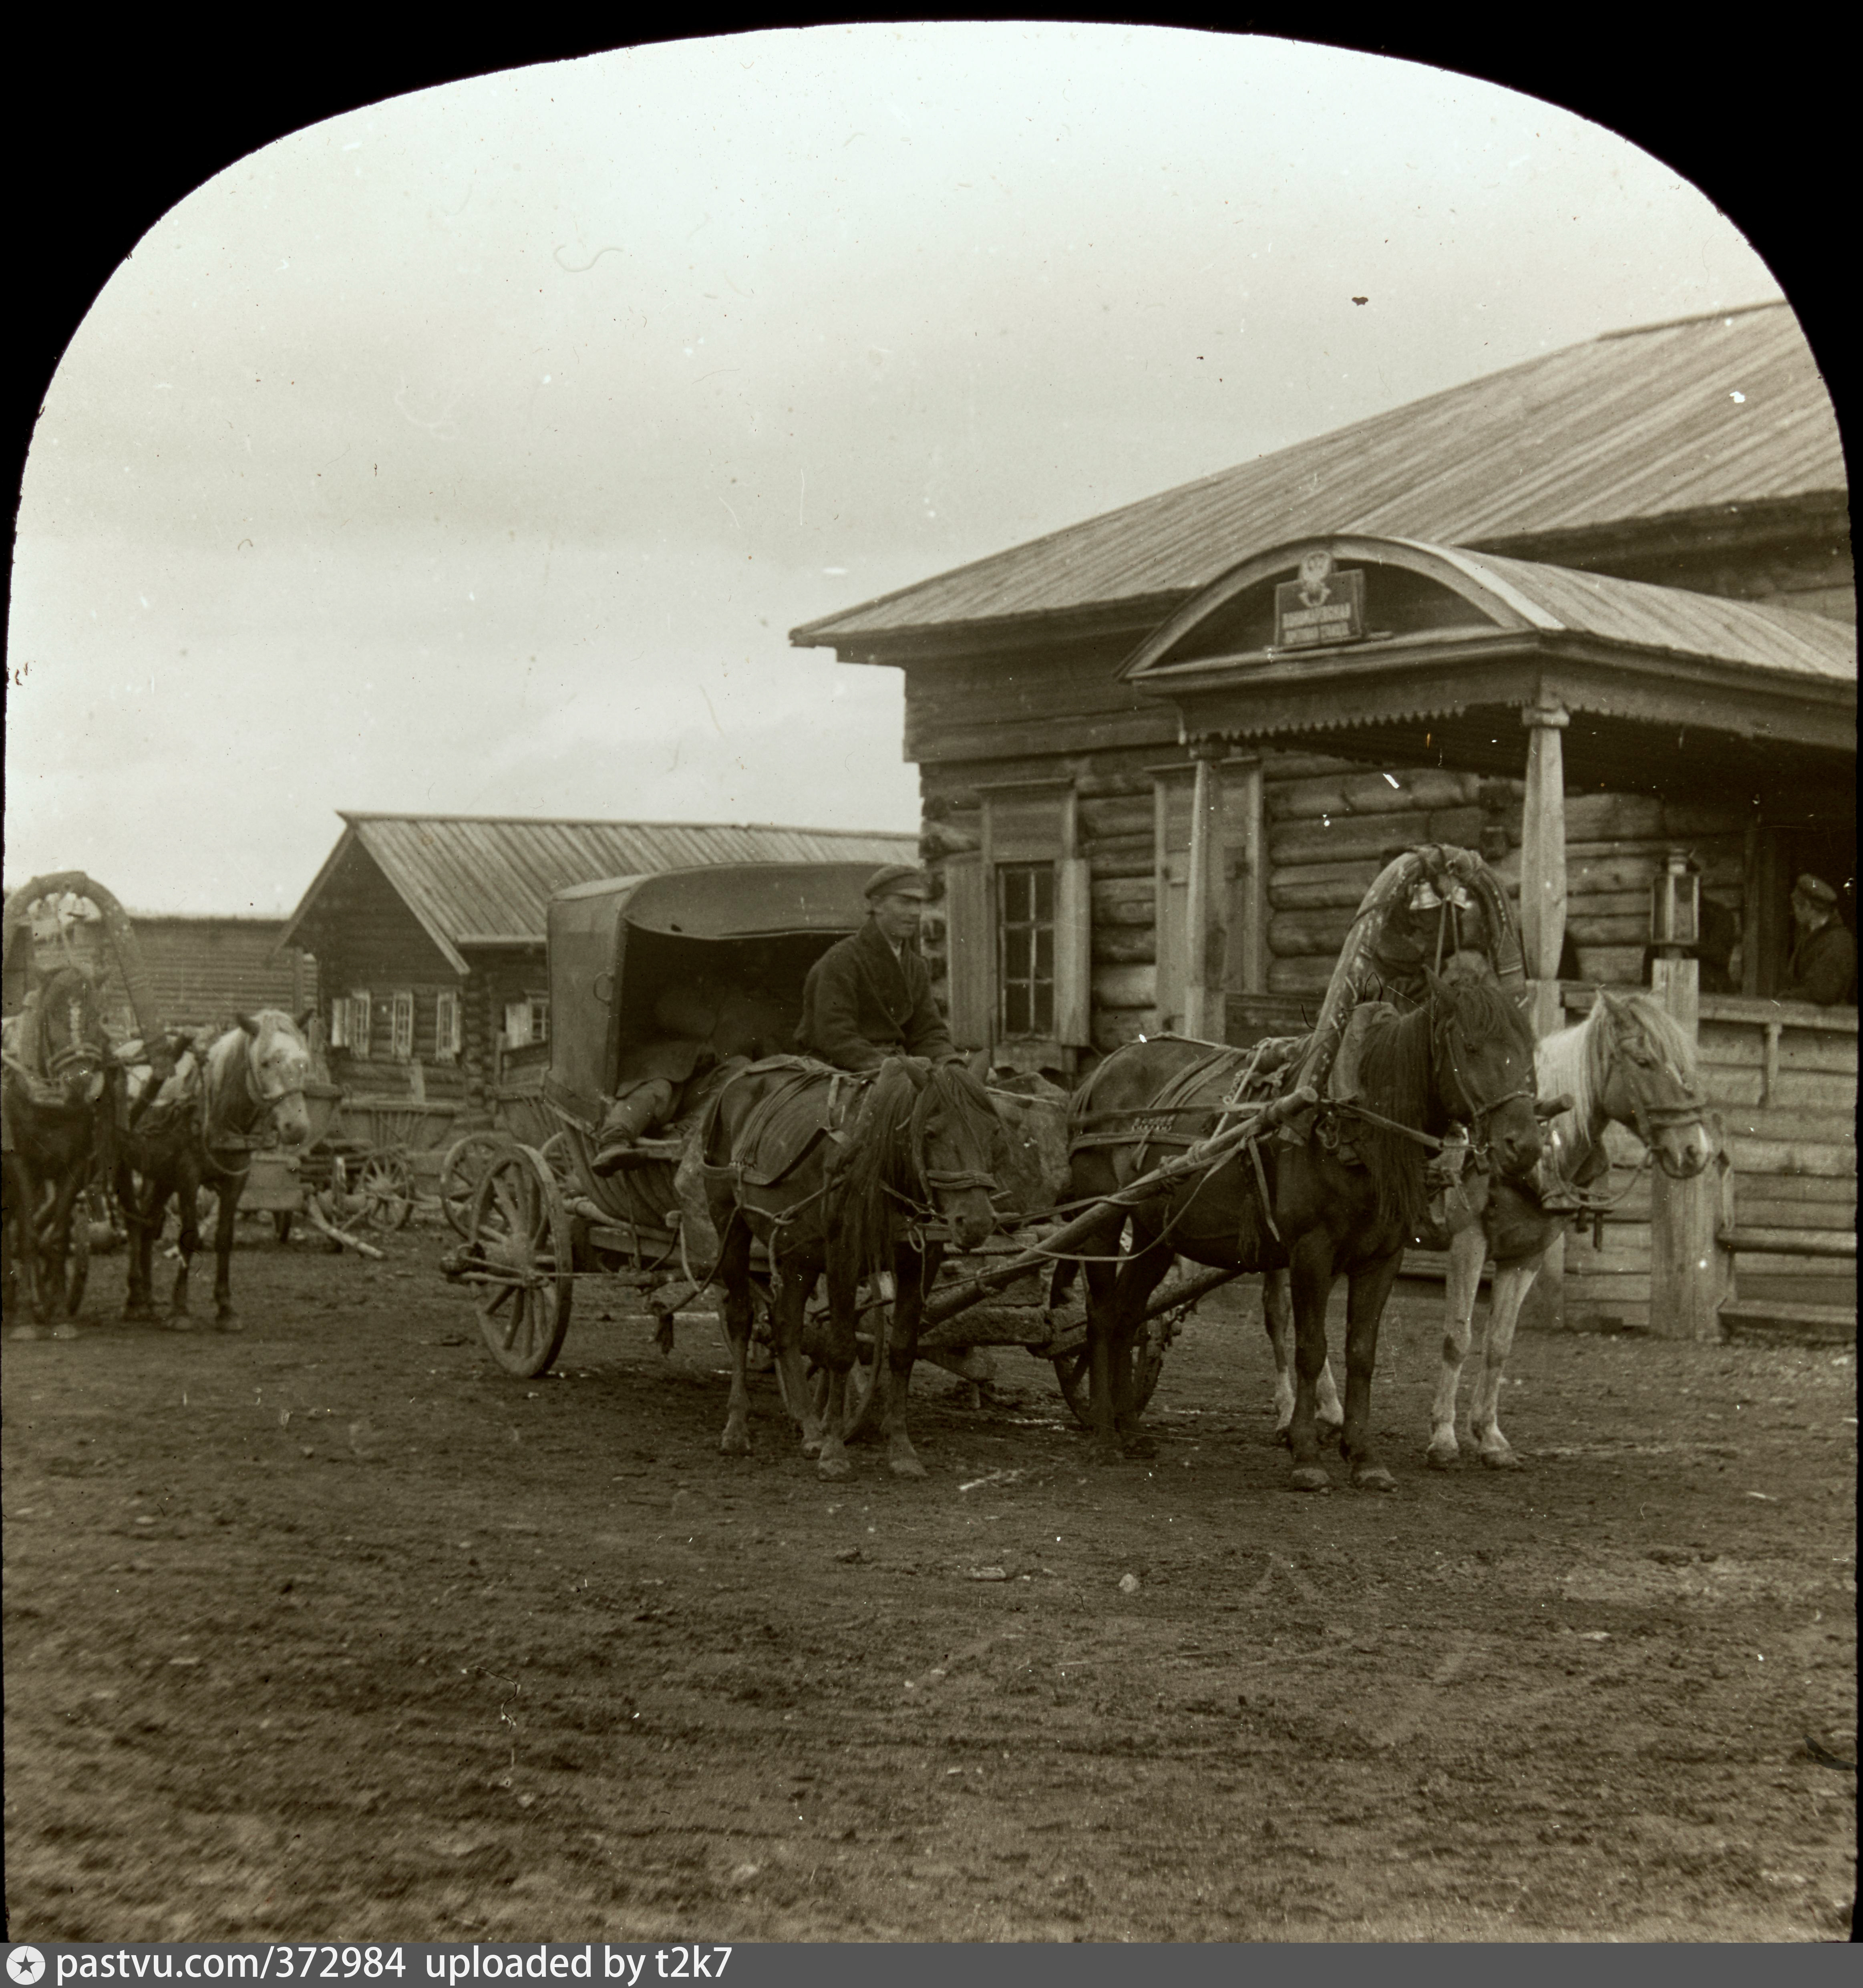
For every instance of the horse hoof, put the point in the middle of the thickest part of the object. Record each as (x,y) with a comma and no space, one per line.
(905,1466)
(26,1332)
(64,1332)
(1140,1446)
(736,1445)
(229,1322)
(1501,1459)
(1374,1477)
(833,1468)
(811,1446)
(180,1322)
(1441,1459)
(1310,1477)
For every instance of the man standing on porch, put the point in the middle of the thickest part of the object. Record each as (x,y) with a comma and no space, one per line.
(1824,964)
(869,997)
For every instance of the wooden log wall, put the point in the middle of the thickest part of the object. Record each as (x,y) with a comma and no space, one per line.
(1788,1116)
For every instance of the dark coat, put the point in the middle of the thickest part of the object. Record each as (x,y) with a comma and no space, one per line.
(860,1004)
(1823,967)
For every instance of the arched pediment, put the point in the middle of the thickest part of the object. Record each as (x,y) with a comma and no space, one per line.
(1324,593)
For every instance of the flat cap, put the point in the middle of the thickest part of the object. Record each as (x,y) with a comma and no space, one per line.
(897,880)
(1813,888)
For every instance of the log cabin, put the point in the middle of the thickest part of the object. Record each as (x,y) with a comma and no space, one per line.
(429,933)
(1590,615)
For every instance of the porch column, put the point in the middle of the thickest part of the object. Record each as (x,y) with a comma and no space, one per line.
(1543,934)
(1205,917)
(1686,1276)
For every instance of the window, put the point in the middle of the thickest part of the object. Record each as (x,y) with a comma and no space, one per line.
(527,1021)
(447,1042)
(401,1026)
(361,1022)
(1025,948)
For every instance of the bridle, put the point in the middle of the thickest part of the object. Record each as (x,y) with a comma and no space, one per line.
(1479,1112)
(1648,1116)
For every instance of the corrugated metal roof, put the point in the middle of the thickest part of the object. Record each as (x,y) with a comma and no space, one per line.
(476,880)
(1705,412)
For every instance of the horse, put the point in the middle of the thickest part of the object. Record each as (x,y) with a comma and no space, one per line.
(1341,1193)
(1629,1062)
(249,1083)
(916,1146)
(53,1091)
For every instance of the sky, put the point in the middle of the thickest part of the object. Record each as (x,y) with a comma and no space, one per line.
(475,452)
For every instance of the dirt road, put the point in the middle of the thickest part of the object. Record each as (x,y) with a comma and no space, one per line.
(328,1629)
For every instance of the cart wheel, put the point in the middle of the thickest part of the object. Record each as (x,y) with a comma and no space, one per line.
(460,1172)
(862,1411)
(386,1184)
(559,1151)
(1074,1371)
(520,1228)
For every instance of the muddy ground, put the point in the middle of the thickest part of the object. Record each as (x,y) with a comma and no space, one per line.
(330,1629)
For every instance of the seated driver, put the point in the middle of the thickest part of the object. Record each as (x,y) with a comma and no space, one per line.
(868,996)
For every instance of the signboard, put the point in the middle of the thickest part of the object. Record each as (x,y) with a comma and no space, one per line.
(1323,606)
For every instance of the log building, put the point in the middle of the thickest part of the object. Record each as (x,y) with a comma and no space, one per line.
(1581,613)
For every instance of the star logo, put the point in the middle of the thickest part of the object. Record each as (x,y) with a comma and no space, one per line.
(25,1964)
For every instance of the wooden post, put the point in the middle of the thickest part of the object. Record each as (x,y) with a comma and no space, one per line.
(1686,1281)
(1542,937)
(1204,1000)
(1246,966)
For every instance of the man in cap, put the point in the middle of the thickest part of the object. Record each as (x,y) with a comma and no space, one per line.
(870,996)
(1824,962)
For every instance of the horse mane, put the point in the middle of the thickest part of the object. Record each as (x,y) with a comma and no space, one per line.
(885,1150)
(869,1175)
(1394,1081)
(1662,1032)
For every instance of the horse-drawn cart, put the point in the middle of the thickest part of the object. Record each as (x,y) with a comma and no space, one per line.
(715,960)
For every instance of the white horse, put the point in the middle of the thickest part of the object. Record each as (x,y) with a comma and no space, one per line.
(1627,1062)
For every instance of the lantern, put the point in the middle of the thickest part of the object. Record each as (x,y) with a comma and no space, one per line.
(1675,904)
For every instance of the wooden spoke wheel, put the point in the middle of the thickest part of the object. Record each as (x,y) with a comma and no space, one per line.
(558,1151)
(386,1182)
(519,1240)
(1074,1371)
(460,1172)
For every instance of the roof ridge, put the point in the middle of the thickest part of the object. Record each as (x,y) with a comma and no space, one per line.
(604,821)
(1695,317)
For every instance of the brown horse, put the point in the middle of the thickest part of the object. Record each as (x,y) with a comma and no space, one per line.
(1341,1194)
(916,1147)
(250,1084)
(54,1093)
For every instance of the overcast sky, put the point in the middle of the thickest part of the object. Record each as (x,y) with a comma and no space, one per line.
(475,452)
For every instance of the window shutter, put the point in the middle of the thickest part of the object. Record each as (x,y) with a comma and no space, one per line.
(446,1025)
(968,923)
(340,1022)
(361,1023)
(401,1027)
(1074,952)
(517,1024)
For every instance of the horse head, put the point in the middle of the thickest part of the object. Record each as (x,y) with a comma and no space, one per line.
(1481,1068)
(72,1054)
(1648,1082)
(958,1144)
(277,1067)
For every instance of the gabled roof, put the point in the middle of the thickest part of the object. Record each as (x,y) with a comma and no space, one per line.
(1696,415)
(478,880)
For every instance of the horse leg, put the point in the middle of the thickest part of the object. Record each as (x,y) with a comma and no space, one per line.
(1512,1283)
(54,1246)
(792,1277)
(224,1316)
(1310,1278)
(733,1274)
(1367,1290)
(837,1355)
(1467,1247)
(1278,1315)
(1141,1274)
(913,1275)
